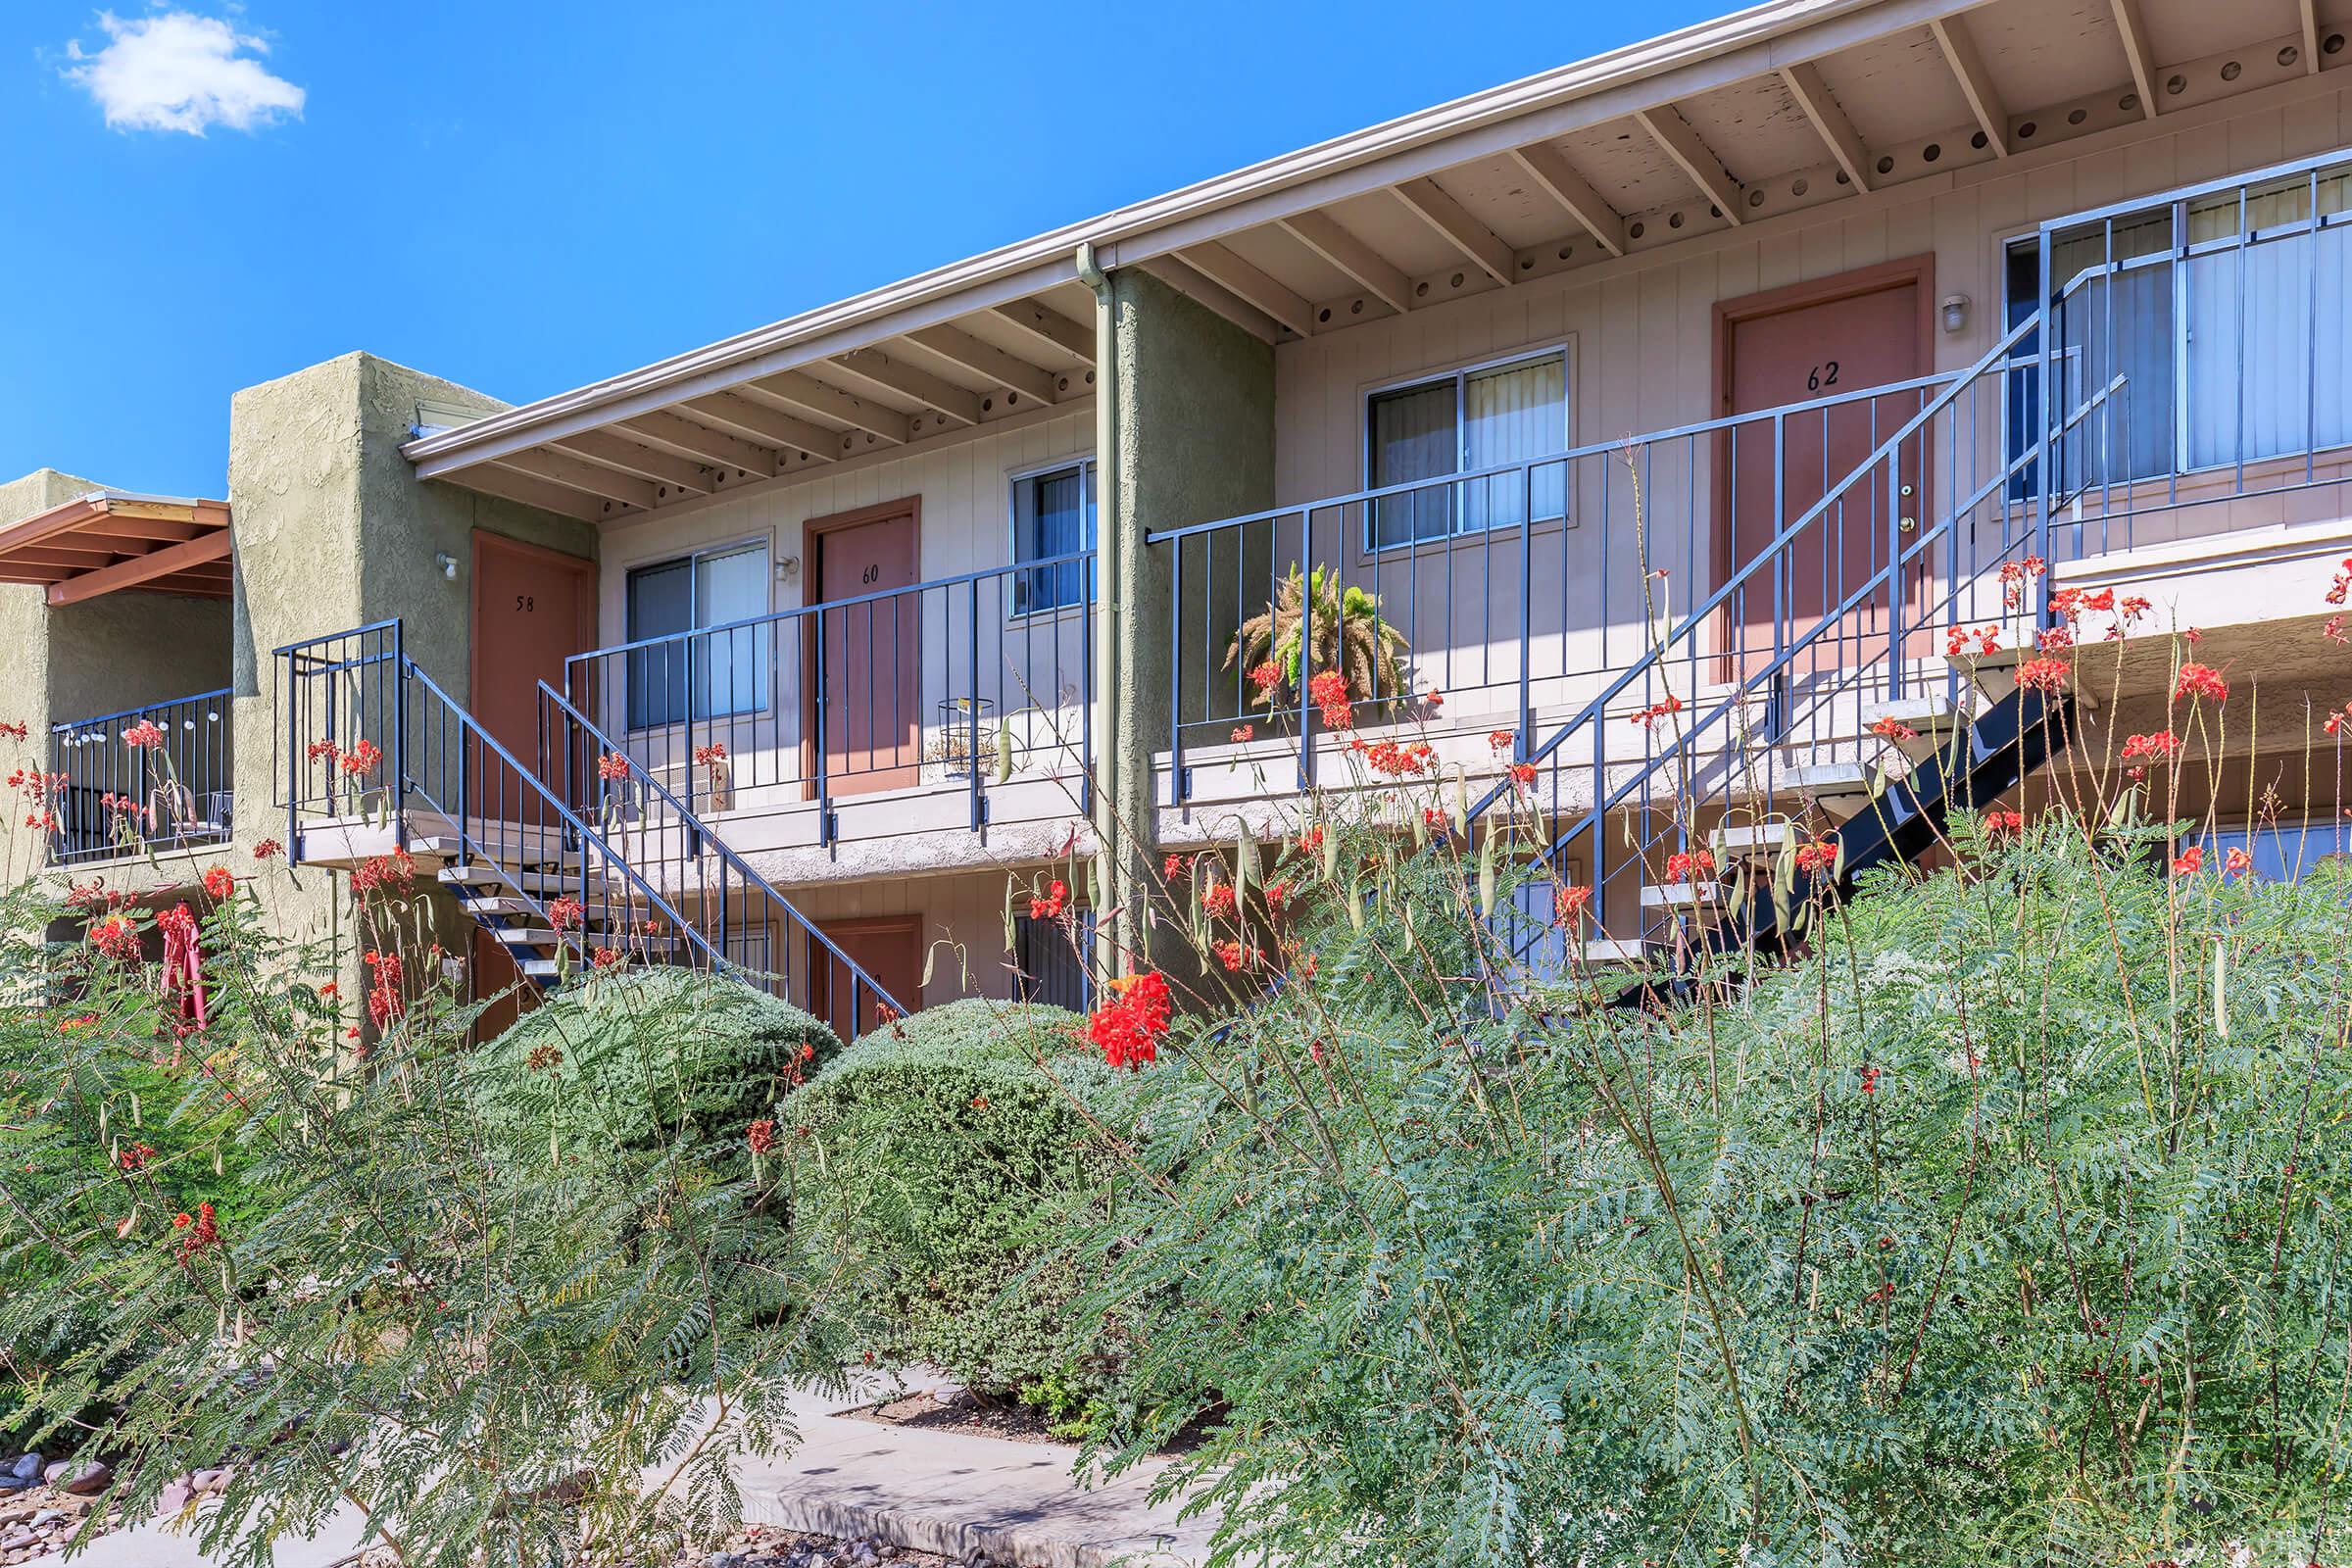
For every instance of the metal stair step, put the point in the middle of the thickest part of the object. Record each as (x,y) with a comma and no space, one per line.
(1601,953)
(1681,896)
(1758,837)
(1839,789)
(1995,676)
(478,875)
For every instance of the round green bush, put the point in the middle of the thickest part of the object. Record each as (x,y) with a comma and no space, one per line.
(650,1054)
(940,1161)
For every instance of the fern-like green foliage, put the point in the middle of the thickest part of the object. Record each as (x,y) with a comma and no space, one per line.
(2007,1227)
(937,1160)
(516,1309)
(1347,630)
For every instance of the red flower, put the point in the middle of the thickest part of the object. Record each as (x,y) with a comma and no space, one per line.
(543,1059)
(1819,856)
(1329,692)
(134,1157)
(564,914)
(144,734)
(607,959)
(1265,677)
(1237,958)
(1436,700)
(116,937)
(1391,760)
(1172,869)
(1501,741)
(2200,680)
(1870,1080)
(1894,729)
(1244,733)
(268,849)
(711,756)
(1649,718)
(2189,860)
(613,765)
(1523,774)
(2150,747)
(2015,574)
(2334,632)
(202,1232)
(2236,861)
(16,730)
(1278,895)
(220,882)
(1433,819)
(2042,675)
(1050,907)
(321,749)
(1128,1027)
(384,873)
(761,1135)
(2004,824)
(2342,582)
(1689,865)
(1217,898)
(361,759)
(1956,640)
(1568,901)
(1311,840)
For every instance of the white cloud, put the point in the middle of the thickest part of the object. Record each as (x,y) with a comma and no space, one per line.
(177,71)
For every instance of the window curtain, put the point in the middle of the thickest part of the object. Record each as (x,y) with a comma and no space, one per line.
(730,674)
(1413,437)
(1511,414)
(661,605)
(1054,514)
(2111,324)
(2267,371)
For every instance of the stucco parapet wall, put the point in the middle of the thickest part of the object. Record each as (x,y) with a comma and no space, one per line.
(943,853)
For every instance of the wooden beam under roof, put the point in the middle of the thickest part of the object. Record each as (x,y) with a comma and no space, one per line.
(935,393)
(1050,327)
(1373,272)
(1428,202)
(699,442)
(2308,13)
(2132,29)
(1222,267)
(562,500)
(1667,126)
(792,390)
(1975,82)
(1812,95)
(590,479)
(1549,167)
(645,462)
(767,426)
(145,569)
(986,361)
(1212,296)
(73,553)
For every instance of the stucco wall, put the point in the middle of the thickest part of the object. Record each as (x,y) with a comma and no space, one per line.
(25,658)
(1194,440)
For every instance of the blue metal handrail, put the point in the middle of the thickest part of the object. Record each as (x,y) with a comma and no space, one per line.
(178,792)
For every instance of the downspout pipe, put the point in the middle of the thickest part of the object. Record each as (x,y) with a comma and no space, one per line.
(1110,759)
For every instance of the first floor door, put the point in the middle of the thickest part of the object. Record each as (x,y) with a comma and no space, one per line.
(533,608)
(871,648)
(889,949)
(1840,335)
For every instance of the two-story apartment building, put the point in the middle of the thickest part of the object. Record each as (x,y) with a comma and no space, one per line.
(1680,428)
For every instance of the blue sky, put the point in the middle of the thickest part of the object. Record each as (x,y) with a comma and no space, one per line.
(525,196)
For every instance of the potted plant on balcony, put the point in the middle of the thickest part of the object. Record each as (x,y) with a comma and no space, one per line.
(1348,635)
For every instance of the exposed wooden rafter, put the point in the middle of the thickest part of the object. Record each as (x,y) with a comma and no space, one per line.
(590,479)
(1549,167)
(167,562)
(1975,82)
(2132,29)
(1213,296)
(1074,339)
(2308,13)
(1227,269)
(795,393)
(1812,95)
(935,393)
(506,483)
(1373,272)
(688,439)
(1428,201)
(628,457)
(756,423)
(986,361)
(1693,157)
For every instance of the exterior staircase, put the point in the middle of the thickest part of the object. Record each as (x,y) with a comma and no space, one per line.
(1857,732)
(577,859)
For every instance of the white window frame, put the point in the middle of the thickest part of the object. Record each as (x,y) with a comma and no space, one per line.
(764,542)
(1014,478)
(1459,375)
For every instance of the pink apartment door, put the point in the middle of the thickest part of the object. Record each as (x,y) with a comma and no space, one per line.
(1846,333)
(872,650)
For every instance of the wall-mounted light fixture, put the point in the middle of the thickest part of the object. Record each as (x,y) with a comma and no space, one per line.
(1956,313)
(788,569)
(447,563)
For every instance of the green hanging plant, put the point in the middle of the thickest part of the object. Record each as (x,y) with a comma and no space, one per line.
(1348,635)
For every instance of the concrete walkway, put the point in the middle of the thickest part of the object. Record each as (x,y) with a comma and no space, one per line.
(939,1492)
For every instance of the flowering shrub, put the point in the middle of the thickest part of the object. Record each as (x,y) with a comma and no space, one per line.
(1969,1237)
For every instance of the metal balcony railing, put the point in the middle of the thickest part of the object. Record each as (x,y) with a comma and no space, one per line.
(949,683)
(159,776)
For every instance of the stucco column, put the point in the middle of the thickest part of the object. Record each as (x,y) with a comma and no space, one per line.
(1189,438)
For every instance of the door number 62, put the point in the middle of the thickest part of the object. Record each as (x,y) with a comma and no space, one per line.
(1823,374)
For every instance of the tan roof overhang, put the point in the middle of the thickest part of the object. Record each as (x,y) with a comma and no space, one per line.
(107,541)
